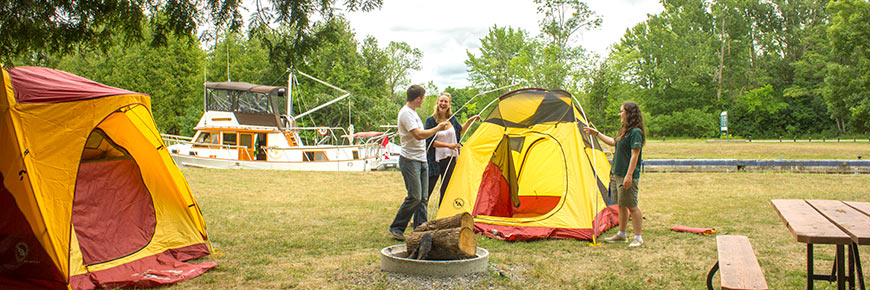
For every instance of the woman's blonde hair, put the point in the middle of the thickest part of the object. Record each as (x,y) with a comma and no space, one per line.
(449,112)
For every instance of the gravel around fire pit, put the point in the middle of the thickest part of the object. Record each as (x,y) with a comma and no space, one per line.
(497,276)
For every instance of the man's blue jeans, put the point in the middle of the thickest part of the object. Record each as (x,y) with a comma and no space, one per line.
(416,176)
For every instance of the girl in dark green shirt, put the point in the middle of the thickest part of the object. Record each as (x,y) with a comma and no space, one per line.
(624,173)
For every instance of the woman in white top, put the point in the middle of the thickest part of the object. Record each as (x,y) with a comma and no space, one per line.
(442,154)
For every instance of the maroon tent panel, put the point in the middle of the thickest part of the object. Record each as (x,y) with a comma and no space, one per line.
(45,85)
(24,263)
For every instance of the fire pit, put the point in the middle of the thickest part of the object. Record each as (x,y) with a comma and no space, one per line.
(393,259)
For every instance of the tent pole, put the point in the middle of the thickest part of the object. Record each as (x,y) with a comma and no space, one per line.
(595,242)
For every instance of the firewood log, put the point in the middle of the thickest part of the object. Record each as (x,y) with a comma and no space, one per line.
(460,220)
(447,244)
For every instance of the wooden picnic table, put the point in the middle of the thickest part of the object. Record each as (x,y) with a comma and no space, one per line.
(840,223)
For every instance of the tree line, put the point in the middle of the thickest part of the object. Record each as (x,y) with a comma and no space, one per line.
(779,68)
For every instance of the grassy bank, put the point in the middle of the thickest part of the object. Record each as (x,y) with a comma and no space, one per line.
(280,230)
(685,149)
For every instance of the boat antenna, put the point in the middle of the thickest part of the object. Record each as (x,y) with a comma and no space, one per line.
(204,80)
(227,41)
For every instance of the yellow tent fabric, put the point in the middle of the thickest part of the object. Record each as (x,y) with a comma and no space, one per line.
(561,175)
(50,120)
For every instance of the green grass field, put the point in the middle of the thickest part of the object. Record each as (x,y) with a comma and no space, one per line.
(323,230)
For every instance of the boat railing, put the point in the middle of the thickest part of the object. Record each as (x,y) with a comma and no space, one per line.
(175,139)
(326,138)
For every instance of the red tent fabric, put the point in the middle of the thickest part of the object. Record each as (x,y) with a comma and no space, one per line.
(45,85)
(700,231)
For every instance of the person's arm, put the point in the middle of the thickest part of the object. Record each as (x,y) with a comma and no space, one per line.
(632,164)
(602,137)
(446,145)
(468,123)
(430,123)
(421,134)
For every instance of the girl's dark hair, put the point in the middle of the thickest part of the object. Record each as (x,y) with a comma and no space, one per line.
(633,119)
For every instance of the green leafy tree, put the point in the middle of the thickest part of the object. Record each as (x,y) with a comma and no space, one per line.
(402,60)
(848,79)
(59,26)
(611,86)
(238,58)
(759,112)
(712,55)
(560,63)
(564,18)
(171,75)
(362,70)
(504,53)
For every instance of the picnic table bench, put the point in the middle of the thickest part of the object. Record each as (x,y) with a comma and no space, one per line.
(840,223)
(737,265)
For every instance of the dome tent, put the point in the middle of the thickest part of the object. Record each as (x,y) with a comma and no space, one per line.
(90,197)
(529,172)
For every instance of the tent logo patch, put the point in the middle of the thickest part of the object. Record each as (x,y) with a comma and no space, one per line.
(21,251)
(458,203)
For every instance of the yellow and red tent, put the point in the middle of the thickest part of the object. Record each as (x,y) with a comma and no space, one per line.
(89,196)
(529,172)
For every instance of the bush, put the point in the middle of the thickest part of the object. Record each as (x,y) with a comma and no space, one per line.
(687,123)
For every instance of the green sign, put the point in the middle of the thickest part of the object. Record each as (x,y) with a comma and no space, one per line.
(723,121)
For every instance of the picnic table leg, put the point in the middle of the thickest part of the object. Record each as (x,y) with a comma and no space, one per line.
(857,263)
(833,276)
(710,275)
(851,273)
(841,268)
(810,272)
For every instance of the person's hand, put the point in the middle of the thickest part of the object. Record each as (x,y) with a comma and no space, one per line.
(627,182)
(443,125)
(456,146)
(474,118)
(591,131)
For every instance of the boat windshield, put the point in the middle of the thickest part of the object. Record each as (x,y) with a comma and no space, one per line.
(251,102)
(245,98)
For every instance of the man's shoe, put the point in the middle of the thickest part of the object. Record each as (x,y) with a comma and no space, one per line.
(635,243)
(616,239)
(397,235)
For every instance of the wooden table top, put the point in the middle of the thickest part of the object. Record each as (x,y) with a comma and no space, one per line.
(825,221)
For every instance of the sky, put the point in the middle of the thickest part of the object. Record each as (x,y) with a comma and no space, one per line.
(444,30)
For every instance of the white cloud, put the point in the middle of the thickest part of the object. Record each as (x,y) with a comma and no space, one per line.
(445,30)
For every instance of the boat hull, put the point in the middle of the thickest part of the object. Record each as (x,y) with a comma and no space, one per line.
(216,163)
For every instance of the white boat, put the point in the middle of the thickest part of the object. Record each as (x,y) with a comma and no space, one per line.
(246,126)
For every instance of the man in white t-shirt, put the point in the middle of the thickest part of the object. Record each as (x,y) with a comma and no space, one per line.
(412,162)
